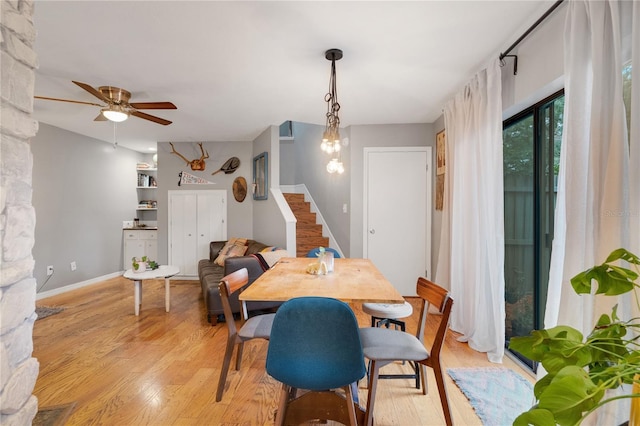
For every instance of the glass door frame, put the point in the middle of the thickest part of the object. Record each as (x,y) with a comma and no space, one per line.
(543,198)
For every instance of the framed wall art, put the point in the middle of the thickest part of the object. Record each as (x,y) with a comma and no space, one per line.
(441,163)
(260,176)
(441,168)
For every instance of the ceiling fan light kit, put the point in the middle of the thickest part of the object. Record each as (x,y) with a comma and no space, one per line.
(118,108)
(331,136)
(115,113)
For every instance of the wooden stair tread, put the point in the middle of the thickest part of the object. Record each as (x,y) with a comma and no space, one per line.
(308,232)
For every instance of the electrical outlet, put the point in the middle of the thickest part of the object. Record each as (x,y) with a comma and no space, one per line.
(73,266)
(49,270)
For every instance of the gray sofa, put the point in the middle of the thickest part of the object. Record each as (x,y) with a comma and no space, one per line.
(210,275)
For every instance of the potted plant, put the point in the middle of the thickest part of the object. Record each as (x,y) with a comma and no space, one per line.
(143,264)
(580,370)
(139,265)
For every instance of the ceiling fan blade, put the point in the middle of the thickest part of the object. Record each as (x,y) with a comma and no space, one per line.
(100,117)
(66,100)
(153,105)
(151,118)
(93,91)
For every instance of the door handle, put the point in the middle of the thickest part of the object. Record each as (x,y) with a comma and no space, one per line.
(372,231)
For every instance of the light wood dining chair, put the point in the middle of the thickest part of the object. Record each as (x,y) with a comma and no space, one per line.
(383,346)
(257,327)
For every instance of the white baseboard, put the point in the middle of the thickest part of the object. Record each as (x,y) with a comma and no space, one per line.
(66,288)
(70,287)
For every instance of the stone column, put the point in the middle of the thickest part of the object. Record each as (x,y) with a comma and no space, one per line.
(18,369)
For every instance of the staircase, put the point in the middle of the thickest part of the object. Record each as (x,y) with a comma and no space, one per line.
(308,233)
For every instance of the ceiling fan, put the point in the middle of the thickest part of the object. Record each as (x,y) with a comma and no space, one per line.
(118,108)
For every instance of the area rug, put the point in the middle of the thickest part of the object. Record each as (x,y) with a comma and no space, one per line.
(56,415)
(498,395)
(47,311)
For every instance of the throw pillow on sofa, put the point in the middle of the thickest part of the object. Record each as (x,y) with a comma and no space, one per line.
(272,257)
(234,247)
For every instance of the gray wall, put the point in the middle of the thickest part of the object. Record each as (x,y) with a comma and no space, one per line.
(377,136)
(239,214)
(268,223)
(303,162)
(436,215)
(83,189)
(540,66)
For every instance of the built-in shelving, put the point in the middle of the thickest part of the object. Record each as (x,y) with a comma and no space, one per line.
(146,185)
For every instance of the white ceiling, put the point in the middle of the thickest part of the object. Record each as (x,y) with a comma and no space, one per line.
(234,68)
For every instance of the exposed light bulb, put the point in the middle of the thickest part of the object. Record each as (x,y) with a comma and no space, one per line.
(335,166)
(331,166)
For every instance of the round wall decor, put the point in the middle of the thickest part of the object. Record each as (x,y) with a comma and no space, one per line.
(239,189)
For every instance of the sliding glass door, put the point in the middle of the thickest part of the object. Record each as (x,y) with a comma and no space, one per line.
(531,158)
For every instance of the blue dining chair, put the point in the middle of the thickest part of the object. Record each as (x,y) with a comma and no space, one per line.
(315,346)
(314,252)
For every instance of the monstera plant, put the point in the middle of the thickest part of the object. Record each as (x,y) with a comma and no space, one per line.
(580,370)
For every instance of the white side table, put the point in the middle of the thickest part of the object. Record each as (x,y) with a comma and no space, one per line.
(163,271)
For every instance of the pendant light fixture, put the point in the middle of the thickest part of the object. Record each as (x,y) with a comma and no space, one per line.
(331,136)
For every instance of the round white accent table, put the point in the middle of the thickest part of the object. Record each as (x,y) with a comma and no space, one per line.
(163,271)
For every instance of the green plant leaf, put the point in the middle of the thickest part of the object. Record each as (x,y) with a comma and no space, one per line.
(564,347)
(555,348)
(569,394)
(612,280)
(581,283)
(580,371)
(535,417)
(624,255)
(530,346)
(542,384)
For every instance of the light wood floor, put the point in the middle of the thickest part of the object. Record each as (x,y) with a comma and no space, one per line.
(162,368)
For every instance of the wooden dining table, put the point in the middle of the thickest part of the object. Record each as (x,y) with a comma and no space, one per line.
(352,280)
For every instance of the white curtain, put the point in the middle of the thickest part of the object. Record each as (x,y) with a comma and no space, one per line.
(471,258)
(594,214)
(631,44)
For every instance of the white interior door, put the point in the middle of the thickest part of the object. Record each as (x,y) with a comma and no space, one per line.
(397,213)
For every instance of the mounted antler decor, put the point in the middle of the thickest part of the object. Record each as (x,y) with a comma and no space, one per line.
(198,163)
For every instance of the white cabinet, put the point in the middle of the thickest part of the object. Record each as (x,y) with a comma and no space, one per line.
(138,243)
(195,219)
(147,193)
